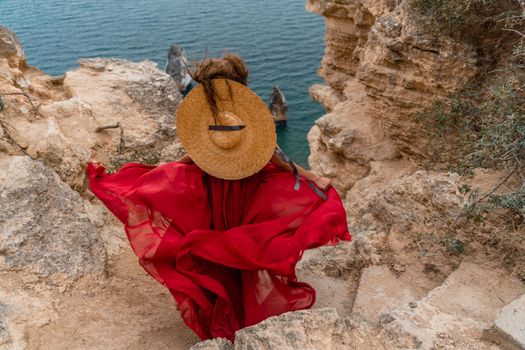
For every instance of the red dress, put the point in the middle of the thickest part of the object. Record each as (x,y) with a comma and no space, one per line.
(225,249)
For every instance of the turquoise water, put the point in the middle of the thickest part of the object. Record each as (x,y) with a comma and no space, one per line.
(281,42)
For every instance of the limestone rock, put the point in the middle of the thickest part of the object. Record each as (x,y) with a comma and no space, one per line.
(384,64)
(380,175)
(453,314)
(340,261)
(308,329)
(213,344)
(138,95)
(379,292)
(102,92)
(325,95)
(19,311)
(43,225)
(413,202)
(343,172)
(352,138)
(10,48)
(330,271)
(509,326)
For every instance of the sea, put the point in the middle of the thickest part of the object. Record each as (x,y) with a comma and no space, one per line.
(281,42)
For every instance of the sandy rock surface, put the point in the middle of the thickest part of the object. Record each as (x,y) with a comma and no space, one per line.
(415,276)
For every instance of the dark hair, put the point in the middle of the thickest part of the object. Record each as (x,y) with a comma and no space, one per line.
(230,66)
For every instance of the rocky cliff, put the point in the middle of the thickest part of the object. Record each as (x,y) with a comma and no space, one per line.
(68,277)
(419,274)
(427,268)
(381,64)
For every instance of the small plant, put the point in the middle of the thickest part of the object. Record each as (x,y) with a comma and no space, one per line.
(453,245)
(139,156)
(1,103)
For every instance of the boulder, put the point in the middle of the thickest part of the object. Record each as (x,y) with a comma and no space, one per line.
(308,329)
(44,228)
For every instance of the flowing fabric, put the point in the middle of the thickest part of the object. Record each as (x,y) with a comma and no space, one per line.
(225,249)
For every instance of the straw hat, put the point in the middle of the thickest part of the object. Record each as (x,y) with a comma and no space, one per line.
(240,143)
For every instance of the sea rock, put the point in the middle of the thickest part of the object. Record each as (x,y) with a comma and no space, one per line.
(43,226)
(278,106)
(175,67)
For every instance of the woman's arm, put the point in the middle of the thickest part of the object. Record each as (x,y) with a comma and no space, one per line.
(185,159)
(321,182)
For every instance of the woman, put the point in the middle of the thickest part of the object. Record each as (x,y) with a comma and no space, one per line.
(224,226)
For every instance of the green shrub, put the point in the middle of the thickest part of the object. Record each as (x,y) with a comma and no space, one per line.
(481,128)
(488,127)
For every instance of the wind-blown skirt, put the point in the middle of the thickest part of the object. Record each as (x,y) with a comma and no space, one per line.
(225,249)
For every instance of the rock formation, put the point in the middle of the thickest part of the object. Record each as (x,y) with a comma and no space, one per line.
(417,275)
(381,64)
(278,106)
(56,119)
(69,279)
(175,67)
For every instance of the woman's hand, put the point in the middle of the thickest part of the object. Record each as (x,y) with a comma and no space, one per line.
(322,182)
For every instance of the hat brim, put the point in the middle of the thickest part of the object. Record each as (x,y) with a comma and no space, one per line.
(259,137)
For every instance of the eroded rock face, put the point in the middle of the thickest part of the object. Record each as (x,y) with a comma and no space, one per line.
(382,63)
(60,128)
(43,225)
(309,329)
(10,48)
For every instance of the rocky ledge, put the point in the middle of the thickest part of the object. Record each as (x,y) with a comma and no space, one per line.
(69,279)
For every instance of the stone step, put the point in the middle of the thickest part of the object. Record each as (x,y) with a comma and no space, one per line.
(306,330)
(380,291)
(509,327)
(454,314)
